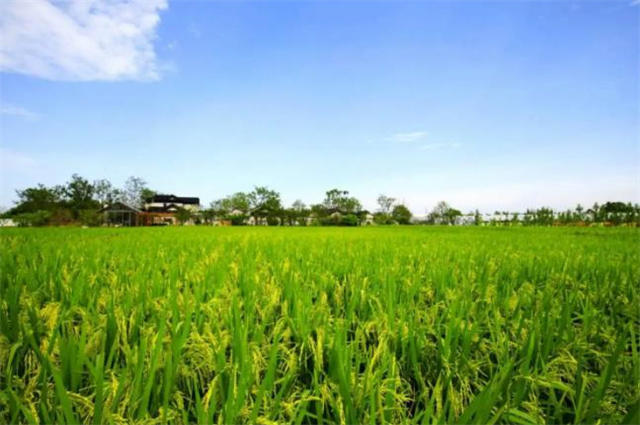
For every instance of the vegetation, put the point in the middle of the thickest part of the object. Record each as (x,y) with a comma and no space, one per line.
(78,201)
(310,325)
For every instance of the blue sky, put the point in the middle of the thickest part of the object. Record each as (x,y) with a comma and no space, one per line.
(494,105)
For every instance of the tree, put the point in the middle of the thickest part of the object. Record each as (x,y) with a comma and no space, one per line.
(438,213)
(136,192)
(544,216)
(238,201)
(442,213)
(183,215)
(337,200)
(208,215)
(105,193)
(264,204)
(579,215)
(39,198)
(90,217)
(351,205)
(594,212)
(385,203)
(298,205)
(36,218)
(451,216)
(477,218)
(298,213)
(233,207)
(401,214)
(334,198)
(381,218)
(79,195)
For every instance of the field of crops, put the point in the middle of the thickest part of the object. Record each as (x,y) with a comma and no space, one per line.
(319,325)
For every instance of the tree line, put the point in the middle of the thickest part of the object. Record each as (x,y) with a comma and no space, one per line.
(609,213)
(78,202)
(264,206)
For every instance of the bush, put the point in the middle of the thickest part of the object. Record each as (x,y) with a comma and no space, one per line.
(349,220)
(38,218)
(90,217)
(237,220)
(61,217)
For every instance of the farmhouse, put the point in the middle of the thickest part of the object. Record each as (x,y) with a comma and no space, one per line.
(162,209)
(159,210)
(120,214)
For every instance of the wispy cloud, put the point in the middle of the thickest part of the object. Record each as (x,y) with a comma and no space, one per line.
(434,146)
(80,40)
(17,111)
(16,161)
(413,136)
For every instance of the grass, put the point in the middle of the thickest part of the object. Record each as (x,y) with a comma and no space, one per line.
(320,325)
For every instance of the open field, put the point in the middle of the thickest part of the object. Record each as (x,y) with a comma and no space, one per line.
(319,325)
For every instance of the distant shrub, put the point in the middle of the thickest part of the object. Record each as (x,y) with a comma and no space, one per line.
(237,219)
(349,220)
(38,218)
(61,217)
(90,217)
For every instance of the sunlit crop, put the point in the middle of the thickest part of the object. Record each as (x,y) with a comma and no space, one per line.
(319,325)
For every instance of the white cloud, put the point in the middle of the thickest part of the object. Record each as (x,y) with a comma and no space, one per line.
(434,146)
(413,136)
(17,111)
(80,40)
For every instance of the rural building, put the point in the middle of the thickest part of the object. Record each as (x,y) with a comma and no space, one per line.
(159,210)
(120,214)
(171,203)
(367,219)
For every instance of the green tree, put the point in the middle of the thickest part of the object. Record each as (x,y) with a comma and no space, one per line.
(183,215)
(265,204)
(105,193)
(337,200)
(90,217)
(39,198)
(35,218)
(477,218)
(136,192)
(385,203)
(401,214)
(452,215)
(79,195)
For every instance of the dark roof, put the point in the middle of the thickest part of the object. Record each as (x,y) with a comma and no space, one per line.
(166,208)
(174,199)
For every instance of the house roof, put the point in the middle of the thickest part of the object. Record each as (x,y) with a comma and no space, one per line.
(119,206)
(174,199)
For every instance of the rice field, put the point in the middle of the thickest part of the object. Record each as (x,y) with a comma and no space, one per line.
(320,325)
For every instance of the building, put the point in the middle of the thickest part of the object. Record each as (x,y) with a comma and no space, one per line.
(159,210)
(120,214)
(162,210)
(7,222)
(163,203)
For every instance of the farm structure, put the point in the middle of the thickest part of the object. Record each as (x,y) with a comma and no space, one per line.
(120,214)
(159,210)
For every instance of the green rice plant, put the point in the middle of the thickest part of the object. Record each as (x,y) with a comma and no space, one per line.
(320,325)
